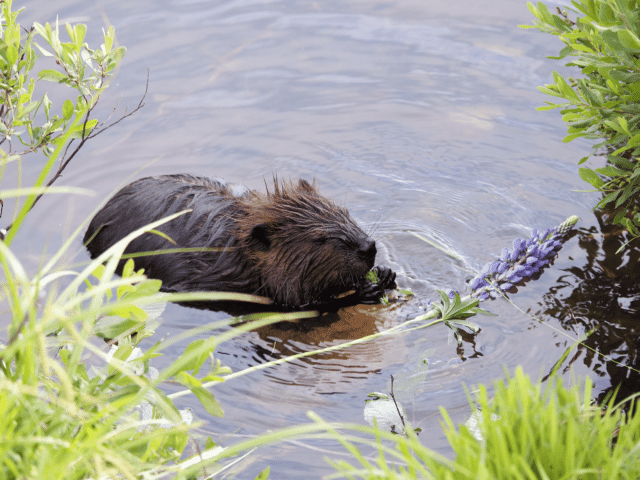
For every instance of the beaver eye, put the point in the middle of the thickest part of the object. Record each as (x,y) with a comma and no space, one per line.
(320,240)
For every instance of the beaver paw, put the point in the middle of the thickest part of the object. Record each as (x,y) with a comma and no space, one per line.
(386,277)
(370,292)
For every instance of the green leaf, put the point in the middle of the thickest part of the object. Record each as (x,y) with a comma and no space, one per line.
(64,356)
(209,444)
(591,177)
(118,54)
(623,123)
(76,132)
(628,192)
(127,270)
(608,199)
(46,53)
(122,353)
(579,124)
(372,276)
(467,324)
(263,475)
(122,289)
(47,105)
(549,107)
(612,40)
(113,326)
(12,36)
(630,226)
(108,40)
(163,235)
(568,138)
(581,48)
(200,358)
(550,91)
(612,171)
(629,40)
(533,10)
(98,272)
(144,289)
(51,76)
(564,87)
(619,216)
(207,399)
(625,77)
(11,55)
(606,13)
(635,140)
(71,32)
(621,161)
(28,109)
(67,110)
(613,86)
(614,126)
(81,31)
(544,13)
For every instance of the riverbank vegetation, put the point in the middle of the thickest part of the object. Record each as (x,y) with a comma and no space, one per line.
(602,42)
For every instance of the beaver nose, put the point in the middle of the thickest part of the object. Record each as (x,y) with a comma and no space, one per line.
(367,250)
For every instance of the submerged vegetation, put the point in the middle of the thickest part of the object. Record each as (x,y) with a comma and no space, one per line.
(75,407)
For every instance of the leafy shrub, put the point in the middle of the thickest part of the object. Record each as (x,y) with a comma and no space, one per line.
(603,42)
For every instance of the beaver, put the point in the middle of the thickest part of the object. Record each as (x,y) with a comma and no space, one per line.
(291,244)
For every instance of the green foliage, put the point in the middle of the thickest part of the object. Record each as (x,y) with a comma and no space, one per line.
(455,311)
(522,433)
(83,69)
(61,417)
(555,434)
(37,125)
(605,105)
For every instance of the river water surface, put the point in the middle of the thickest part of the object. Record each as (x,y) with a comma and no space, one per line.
(418,116)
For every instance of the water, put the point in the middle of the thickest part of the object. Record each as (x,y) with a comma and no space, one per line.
(418,117)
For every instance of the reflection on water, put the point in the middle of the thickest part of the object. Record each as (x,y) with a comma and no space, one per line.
(602,295)
(418,117)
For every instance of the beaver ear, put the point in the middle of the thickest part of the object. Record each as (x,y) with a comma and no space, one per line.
(261,236)
(306,186)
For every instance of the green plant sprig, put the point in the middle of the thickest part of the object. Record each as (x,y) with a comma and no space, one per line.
(33,122)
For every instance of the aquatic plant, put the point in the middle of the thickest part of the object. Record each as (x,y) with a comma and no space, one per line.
(514,266)
(522,262)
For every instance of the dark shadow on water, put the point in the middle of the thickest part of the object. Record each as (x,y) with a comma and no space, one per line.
(602,295)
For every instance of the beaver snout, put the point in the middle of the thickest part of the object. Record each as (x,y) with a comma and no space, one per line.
(367,251)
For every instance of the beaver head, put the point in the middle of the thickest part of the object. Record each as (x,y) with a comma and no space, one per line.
(304,247)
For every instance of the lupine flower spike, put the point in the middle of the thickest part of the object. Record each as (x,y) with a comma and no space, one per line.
(526,259)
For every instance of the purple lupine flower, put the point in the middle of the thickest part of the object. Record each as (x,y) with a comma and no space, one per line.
(526,259)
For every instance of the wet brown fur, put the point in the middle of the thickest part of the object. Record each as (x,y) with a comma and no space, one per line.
(290,244)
